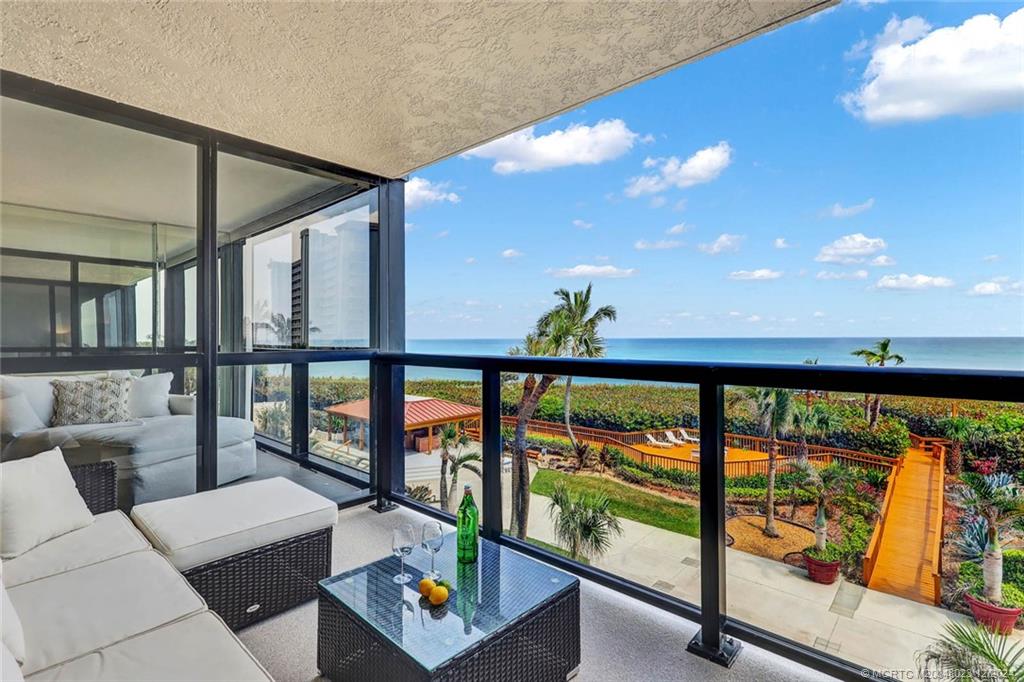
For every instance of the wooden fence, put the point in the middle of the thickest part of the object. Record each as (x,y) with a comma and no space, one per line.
(788,451)
(871,555)
(939,452)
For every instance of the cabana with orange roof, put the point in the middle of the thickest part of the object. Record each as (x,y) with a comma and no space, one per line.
(422,417)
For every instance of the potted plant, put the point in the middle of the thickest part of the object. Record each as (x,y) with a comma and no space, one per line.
(823,564)
(997,499)
(825,485)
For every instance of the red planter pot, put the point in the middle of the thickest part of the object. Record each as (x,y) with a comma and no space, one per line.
(996,618)
(824,572)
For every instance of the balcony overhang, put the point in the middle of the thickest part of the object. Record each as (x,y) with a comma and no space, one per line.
(383,87)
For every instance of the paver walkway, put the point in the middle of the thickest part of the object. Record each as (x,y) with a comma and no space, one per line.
(906,547)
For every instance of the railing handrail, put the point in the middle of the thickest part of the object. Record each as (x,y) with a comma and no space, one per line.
(939,452)
(871,553)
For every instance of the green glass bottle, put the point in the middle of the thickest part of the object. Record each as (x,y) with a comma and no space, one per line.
(467,579)
(467,528)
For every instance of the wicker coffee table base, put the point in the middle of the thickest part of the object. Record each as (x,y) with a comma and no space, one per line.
(542,645)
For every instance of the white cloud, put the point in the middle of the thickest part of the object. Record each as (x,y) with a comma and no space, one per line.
(679,205)
(724,242)
(679,228)
(1000,286)
(409,227)
(754,318)
(759,274)
(578,144)
(704,166)
(971,69)
(896,32)
(828,274)
(882,261)
(511,253)
(850,248)
(660,245)
(658,202)
(913,282)
(594,271)
(442,234)
(818,313)
(992,258)
(781,243)
(470,260)
(582,224)
(837,210)
(419,192)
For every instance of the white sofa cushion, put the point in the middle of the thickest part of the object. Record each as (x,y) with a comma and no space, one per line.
(17,415)
(111,535)
(11,631)
(38,390)
(10,671)
(197,529)
(149,395)
(200,647)
(38,501)
(71,614)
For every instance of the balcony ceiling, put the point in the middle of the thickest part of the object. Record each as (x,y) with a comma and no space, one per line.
(383,87)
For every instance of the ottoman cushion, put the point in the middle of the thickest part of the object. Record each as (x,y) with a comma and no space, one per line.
(197,529)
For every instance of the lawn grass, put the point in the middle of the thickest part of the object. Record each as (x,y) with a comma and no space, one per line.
(626,502)
(554,548)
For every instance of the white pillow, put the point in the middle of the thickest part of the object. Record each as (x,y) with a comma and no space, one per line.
(17,416)
(148,396)
(12,634)
(38,502)
(39,392)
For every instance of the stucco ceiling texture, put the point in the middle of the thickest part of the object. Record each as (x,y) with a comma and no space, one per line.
(383,87)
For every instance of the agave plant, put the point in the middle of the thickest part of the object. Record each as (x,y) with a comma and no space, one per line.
(973,538)
(967,652)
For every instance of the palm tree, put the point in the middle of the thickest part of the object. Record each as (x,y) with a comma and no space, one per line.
(583,524)
(825,485)
(877,356)
(773,410)
(968,651)
(960,431)
(581,339)
(536,343)
(458,462)
(998,499)
(451,439)
(813,421)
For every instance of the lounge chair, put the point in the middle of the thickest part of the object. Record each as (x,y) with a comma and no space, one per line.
(687,438)
(672,439)
(657,443)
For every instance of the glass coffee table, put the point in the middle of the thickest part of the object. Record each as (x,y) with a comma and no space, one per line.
(509,617)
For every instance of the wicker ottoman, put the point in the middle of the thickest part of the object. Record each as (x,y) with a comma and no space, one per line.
(251,550)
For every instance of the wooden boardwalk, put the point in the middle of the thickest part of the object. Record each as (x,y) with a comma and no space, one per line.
(912,526)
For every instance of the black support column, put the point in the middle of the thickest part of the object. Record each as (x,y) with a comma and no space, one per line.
(709,642)
(206,297)
(387,467)
(490,427)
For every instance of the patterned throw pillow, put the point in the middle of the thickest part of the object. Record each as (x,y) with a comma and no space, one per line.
(97,401)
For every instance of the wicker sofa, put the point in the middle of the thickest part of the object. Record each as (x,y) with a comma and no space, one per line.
(99,603)
(154,453)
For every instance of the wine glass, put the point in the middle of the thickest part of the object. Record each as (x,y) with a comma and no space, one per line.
(402,542)
(433,540)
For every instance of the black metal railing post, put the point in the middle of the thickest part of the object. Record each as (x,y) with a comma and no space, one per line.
(490,434)
(710,642)
(387,419)
(300,410)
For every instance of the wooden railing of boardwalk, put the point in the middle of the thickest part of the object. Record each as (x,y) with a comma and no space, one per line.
(788,451)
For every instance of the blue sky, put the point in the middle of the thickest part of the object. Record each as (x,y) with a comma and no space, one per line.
(882,142)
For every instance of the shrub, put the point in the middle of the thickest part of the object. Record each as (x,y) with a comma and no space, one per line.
(973,581)
(782,495)
(631,475)
(831,552)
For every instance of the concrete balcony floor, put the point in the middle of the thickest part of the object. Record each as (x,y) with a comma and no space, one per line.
(622,639)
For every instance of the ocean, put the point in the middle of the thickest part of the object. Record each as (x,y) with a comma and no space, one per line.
(991,353)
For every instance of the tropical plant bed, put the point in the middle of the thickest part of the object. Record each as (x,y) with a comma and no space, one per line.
(627,502)
(748,536)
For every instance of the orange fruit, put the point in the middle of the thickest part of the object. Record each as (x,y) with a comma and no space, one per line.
(438,595)
(426,586)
